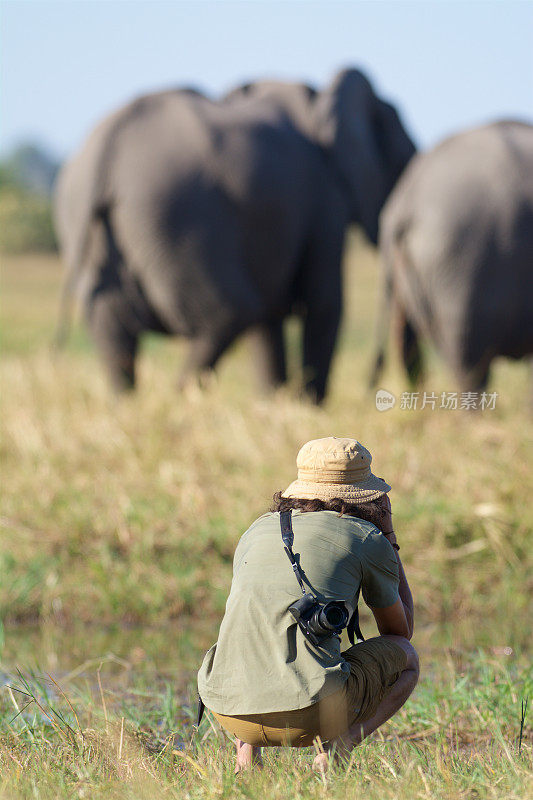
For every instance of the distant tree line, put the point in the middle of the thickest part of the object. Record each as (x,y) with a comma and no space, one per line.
(26,179)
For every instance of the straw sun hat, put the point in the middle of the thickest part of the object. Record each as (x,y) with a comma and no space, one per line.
(335,468)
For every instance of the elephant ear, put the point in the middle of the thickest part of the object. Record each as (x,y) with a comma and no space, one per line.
(394,144)
(345,126)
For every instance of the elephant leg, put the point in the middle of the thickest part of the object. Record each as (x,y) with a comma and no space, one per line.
(530,362)
(320,334)
(321,324)
(475,379)
(117,343)
(204,352)
(409,346)
(320,290)
(269,353)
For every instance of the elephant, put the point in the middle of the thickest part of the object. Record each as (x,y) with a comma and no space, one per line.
(206,218)
(456,243)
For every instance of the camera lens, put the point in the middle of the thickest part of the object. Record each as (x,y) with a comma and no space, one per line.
(333,616)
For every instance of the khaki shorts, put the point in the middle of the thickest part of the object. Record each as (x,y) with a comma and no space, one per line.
(375,665)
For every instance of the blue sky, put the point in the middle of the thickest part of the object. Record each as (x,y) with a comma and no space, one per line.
(447,65)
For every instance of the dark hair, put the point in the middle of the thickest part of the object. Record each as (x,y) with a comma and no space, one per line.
(367,511)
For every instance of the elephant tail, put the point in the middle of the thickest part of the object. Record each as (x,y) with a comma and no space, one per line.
(78,265)
(394,256)
(383,320)
(82,200)
(409,345)
(408,340)
(65,313)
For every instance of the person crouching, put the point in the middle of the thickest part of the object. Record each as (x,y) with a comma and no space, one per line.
(277,675)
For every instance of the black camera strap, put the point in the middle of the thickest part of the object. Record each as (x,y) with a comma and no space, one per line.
(353,630)
(199,712)
(287,534)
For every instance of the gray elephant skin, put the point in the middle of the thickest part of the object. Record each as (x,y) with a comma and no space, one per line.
(456,243)
(204,218)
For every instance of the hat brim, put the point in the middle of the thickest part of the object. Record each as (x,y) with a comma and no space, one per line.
(369,489)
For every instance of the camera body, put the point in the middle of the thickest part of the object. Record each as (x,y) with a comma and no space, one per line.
(319,621)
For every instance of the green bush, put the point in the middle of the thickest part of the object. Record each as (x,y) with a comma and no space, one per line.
(25,221)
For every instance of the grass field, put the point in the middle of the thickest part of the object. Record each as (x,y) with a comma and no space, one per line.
(118,523)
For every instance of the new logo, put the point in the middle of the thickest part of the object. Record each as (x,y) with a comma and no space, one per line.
(384,400)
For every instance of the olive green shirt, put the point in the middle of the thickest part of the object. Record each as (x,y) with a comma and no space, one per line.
(262,662)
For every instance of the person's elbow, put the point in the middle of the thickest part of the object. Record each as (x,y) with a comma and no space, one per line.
(394,620)
(410,625)
(403,629)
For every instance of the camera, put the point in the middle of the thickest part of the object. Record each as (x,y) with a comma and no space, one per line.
(319,620)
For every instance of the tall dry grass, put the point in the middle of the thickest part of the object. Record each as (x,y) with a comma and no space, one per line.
(129,509)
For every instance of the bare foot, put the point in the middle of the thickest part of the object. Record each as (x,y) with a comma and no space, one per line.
(341,753)
(247,756)
(321,763)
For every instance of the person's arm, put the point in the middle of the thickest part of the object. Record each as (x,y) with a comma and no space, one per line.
(397,619)
(403,588)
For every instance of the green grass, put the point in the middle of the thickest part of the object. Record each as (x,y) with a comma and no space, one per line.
(118,522)
(457,737)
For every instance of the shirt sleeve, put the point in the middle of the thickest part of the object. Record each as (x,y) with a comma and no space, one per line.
(380,573)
